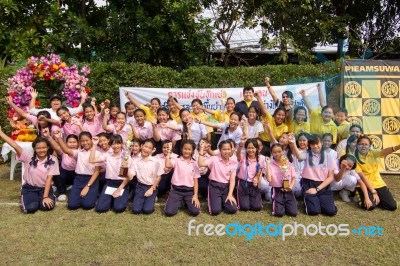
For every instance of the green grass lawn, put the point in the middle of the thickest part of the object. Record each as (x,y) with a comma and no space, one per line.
(85,237)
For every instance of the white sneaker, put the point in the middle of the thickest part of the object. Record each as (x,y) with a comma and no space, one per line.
(344,194)
(62,197)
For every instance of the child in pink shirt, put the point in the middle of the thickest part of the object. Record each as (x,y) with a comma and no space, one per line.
(85,189)
(165,129)
(165,184)
(184,181)
(68,124)
(148,173)
(91,120)
(280,171)
(40,167)
(68,164)
(119,127)
(118,199)
(222,179)
(142,127)
(317,175)
(249,176)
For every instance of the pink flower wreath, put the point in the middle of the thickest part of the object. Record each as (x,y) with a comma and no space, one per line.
(50,69)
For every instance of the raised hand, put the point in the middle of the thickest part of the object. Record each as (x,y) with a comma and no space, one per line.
(45,132)
(57,134)
(34,93)
(302,93)
(95,140)
(267,81)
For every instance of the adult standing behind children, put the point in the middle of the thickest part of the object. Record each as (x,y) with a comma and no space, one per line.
(55,104)
(247,102)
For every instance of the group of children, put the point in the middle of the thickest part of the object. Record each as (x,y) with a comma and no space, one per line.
(109,157)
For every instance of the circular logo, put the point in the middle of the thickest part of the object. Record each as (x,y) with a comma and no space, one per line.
(352,89)
(354,120)
(390,89)
(391,125)
(371,107)
(376,142)
(392,162)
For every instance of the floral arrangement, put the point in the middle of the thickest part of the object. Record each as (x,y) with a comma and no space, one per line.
(55,73)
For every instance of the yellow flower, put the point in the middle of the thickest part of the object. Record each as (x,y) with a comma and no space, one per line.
(41,74)
(63,64)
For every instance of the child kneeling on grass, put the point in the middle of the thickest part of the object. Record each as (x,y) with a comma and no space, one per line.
(117,199)
(40,167)
(148,170)
(184,180)
(317,176)
(280,171)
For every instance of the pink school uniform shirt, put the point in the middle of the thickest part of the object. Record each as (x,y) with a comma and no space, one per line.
(36,176)
(35,122)
(318,172)
(184,172)
(221,171)
(68,162)
(251,169)
(70,128)
(147,170)
(277,176)
(124,132)
(161,158)
(94,127)
(167,133)
(83,167)
(145,131)
(101,152)
(113,163)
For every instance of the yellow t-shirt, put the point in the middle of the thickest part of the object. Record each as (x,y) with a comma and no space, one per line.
(317,125)
(221,117)
(203,117)
(343,131)
(150,115)
(297,128)
(277,131)
(370,168)
(176,117)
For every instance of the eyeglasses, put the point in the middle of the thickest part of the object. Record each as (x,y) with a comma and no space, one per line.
(364,145)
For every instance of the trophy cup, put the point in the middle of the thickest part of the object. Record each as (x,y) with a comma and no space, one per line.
(126,153)
(284,170)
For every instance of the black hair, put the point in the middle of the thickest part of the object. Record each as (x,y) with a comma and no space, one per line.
(85,133)
(224,142)
(357,126)
(49,160)
(115,138)
(65,109)
(49,125)
(298,108)
(185,129)
(230,98)
(227,128)
(139,110)
(190,142)
(104,134)
(343,110)
(255,144)
(302,134)
(279,109)
(197,101)
(315,139)
(127,104)
(136,140)
(326,107)
(351,157)
(356,153)
(72,136)
(169,100)
(289,94)
(163,109)
(351,139)
(112,119)
(156,99)
(248,88)
(257,110)
(151,141)
(84,106)
(232,142)
(165,142)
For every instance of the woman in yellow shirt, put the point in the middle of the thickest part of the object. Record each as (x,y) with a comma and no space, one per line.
(299,124)
(368,169)
(151,112)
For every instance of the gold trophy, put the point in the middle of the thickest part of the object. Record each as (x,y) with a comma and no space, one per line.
(284,170)
(126,153)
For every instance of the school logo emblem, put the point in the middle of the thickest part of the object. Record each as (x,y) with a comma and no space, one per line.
(354,120)
(392,162)
(352,89)
(390,89)
(376,142)
(391,125)
(371,107)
